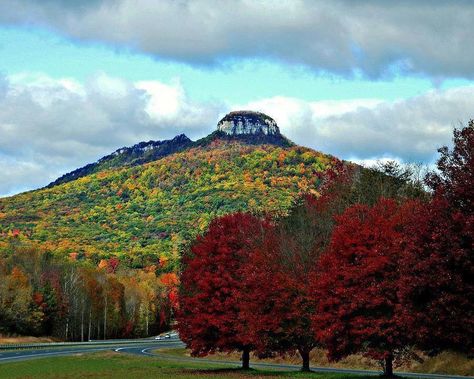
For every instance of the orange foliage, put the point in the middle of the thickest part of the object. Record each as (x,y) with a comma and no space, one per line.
(151,268)
(38,298)
(102,264)
(73,256)
(19,277)
(169,279)
(163,261)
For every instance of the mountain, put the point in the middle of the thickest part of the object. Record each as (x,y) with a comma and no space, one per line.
(144,203)
(246,126)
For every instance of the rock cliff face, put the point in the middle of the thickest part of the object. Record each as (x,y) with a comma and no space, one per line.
(248,123)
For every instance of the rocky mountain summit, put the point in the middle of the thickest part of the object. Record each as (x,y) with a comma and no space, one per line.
(251,128)
(248,122)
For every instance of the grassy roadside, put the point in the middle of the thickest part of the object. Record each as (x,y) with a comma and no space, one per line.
(445,363)
(118,366)
(5,340)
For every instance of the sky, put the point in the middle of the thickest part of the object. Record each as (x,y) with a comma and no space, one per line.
(363,80)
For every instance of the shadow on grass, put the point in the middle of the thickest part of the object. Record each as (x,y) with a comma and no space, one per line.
(224,370)
(239,373)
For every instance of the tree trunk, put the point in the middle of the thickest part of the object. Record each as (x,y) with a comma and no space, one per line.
(82,321)
(388,369)
(90,324)
(146,322)
(246,358)
(105,318)
(305,356)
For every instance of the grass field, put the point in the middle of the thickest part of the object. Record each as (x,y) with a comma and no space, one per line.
(445,363)
(117,366)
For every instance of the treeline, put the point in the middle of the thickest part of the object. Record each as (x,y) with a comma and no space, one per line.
(376,265)
(43,294)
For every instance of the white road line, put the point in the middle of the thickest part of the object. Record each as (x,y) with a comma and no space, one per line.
(120,348)
(144,351)
(47,354)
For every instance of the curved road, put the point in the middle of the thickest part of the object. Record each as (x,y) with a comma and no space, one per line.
(131,346)
(149,347)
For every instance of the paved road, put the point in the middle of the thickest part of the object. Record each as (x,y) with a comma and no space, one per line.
(149,348)
(7,356)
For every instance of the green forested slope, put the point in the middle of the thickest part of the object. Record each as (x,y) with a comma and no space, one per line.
(144,214)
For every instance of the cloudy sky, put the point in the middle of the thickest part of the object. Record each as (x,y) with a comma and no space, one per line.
(363,80)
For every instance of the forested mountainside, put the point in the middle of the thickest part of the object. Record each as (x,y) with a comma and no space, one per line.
(145,214)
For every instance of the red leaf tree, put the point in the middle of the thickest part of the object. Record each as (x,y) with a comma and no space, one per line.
(279,306)
(437,286)
(209,313)
(357,287)
(455,177)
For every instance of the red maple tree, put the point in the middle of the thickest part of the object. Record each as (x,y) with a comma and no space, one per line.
(209,313)
(358,309)
(278,307)
(437,286)
(455,176)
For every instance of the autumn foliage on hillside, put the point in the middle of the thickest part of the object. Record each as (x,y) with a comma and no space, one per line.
(149,213)
(377,272)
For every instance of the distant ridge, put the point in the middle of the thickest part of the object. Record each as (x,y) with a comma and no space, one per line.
(138,154)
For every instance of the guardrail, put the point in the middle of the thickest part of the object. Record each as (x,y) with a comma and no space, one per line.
(43,345)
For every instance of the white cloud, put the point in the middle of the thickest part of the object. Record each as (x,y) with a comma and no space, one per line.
(374,37)
(18,175)
(110,87)
(407,130)
(374,161)
(51,126)
(164,100)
